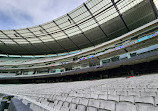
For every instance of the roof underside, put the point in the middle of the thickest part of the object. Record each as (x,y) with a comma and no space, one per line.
(94,22)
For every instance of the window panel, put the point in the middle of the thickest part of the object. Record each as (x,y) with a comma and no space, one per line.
(9,32)
(45,37)
(37,31)
(8,41)
(88,25)
(2,35)
(80,15)
(99,6)
(64,22)
(107,15)
(48,25)
(59,34)
(32,39)
(23,42)
(125,5)
(19,40)
(37,41)
(53,28)
(61,37)
(47,40)
(73,31)
(25,33)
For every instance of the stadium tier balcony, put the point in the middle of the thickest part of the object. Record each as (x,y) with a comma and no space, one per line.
(143,39)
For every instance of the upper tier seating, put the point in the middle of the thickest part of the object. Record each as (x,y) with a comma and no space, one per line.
(117,94)
(12,61)
(18,61)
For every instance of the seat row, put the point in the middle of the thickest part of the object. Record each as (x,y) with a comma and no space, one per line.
(83,104)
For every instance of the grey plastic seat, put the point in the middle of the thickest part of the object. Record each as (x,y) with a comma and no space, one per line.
(56,102)
(58,97)
(149,93)
(57,107)
(72,94)
(149,100)
(63,98)
(94,96)
(69,99)
(103,110)
(34,107)
(127,99)
(119,89)
(81,108)
(51,105)
(105,92)
(151,89)
(91,109)
(64,94)
(54,96)
(146,107)
(156,100)
(75,100)
(125,106)
(40,99)
(66,104)
(127,89)
(94,103)
(46,103)
(83,101)
(43,100)
(122,93)
(103,96)
(60,103)
(65,109)
(134,93)
(79,95)
(152,86)
(108,105)
(111,92)
(74,110)
(72,106)
(113,97)
(139,89)
(87,95)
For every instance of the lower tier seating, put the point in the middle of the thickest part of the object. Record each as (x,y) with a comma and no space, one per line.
(118,94)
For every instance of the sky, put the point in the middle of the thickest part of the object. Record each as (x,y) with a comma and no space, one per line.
(16,14)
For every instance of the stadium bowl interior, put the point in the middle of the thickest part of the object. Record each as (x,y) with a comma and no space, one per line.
(101,56)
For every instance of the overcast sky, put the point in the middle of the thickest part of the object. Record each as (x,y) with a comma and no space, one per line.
(16,14)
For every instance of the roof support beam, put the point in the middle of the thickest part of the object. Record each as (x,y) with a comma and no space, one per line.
(6,46)
(118,11)
(12,40)
(26,40)
(41,41)
(154,8)
(95,20)
(54,39)
(80,30)
(67,35)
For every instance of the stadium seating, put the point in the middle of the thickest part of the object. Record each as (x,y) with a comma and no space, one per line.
(118,94)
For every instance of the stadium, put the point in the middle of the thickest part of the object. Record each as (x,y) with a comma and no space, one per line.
(101,56)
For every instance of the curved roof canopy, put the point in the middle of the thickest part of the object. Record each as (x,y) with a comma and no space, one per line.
(92,23)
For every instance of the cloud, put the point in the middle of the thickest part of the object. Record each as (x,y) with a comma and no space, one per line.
(10,19)
(24,13)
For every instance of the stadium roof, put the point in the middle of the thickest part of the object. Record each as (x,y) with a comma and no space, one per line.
(92,23)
